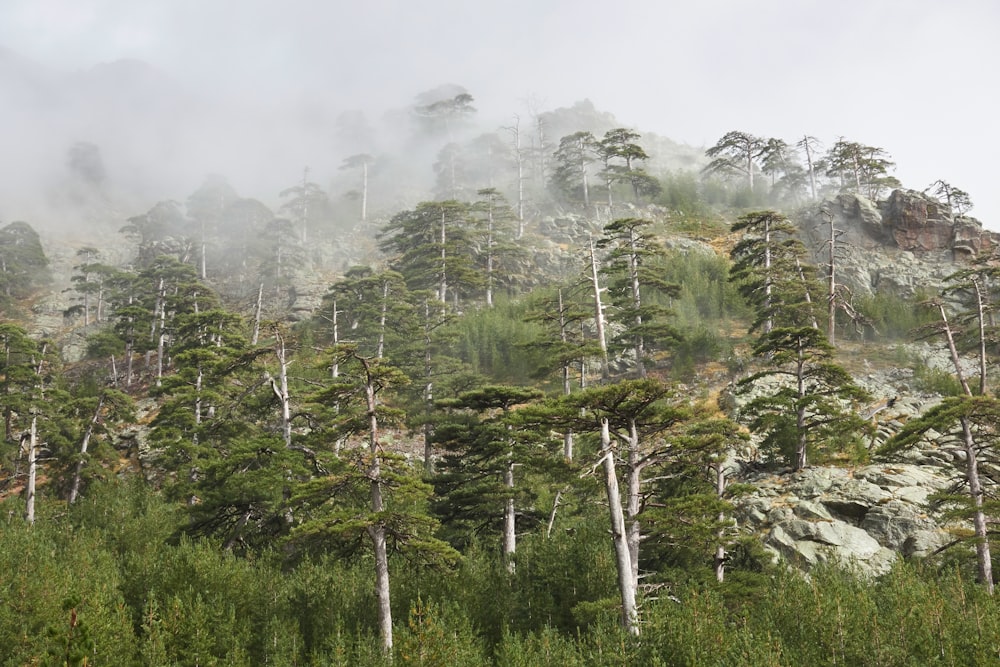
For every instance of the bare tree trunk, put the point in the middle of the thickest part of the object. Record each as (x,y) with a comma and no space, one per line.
(29,510)
(204,252)
(161,339)
(281,389)
(129,354)
(598,310)
(29,490)
(256,315)
(984,561)
(768,280)
(100,303)
(489,254)
(129,346)
(980,310)
(86,305)
(801,448)
(364,190)
(953,351)
(633,504)
(608,182)
(809,163)
(832,286)
(382,319)
(428,391)
(509,534)
(720,549)
(552,514)
(567,387)
(338,444)
(633,270)
(443,287)
(377,530)
(74,489)
(515,132)
(623,561)
(805,288)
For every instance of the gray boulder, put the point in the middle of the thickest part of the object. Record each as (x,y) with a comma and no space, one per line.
(866,517)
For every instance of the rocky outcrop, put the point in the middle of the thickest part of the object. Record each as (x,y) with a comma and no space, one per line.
(897,246)
(917,222)
(865,518)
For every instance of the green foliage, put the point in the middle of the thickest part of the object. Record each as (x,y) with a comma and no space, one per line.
(61,594)
(770,271)
(893,317)
(74,642)
(481,449)
(432,247)
(697,346)
(139,599)
(436,637)
(23,264)
(637,292)
(621,154)
(935,380)
(572,159)
(807,407)
(860,168)
(494,342)
(680,193)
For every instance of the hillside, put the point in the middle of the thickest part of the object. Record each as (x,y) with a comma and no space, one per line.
(443,374)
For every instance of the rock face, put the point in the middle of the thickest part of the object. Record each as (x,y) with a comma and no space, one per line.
(866,518)
(897,246)
(916,222)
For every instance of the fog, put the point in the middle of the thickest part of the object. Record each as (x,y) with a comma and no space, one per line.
(171,91)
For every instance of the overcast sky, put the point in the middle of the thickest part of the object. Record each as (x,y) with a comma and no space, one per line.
(915,77)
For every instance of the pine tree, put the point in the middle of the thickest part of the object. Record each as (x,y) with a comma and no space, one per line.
(802,403)
(370,309)
(307,205)
(571,177)
(630,418)
(498,256)
(633,282)
(966,420)
(432,247)
(23,264)
(229,463)
(621,155)
(371,492)
(967,424)
(766,259)
(800,400)
(738,153)
(565,345)
(864,169)
(477,473)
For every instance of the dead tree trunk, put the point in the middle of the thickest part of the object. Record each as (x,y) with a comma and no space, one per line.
(599,311)
(619,535)
(74,489)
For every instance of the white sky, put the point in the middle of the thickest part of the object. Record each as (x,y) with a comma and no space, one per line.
(918,78)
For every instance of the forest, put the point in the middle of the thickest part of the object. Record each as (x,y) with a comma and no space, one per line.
(504,419)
